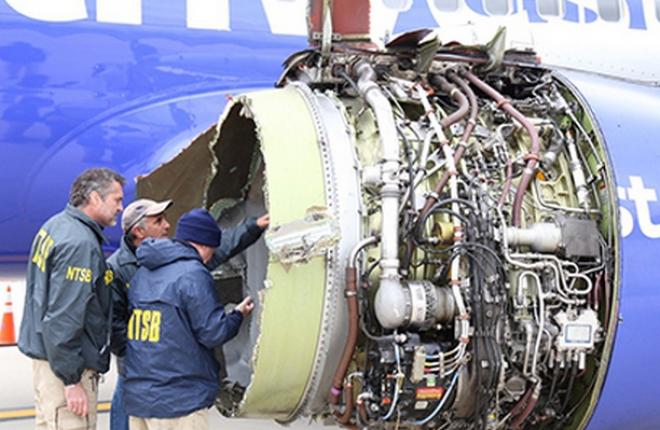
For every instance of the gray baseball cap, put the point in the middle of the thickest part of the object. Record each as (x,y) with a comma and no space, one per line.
(141,208)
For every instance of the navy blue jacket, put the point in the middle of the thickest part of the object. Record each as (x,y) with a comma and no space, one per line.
(123,263)
(175,322)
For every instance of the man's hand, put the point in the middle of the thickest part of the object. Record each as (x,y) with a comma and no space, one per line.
(76,399)
(263,221)
(246,306)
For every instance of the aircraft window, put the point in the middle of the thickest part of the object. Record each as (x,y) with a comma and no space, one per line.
(610,10)
(447,5)
(400,5)
(550,7)
(497,7)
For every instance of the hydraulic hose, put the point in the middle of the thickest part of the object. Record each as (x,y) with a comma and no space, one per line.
(471,123)
(351,340)
(454,93)
(362,411)
(532,156)
(522,402)
(345,417)
(353,323)
(518,422)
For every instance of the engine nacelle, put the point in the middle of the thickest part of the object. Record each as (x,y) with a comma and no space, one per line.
(444,244)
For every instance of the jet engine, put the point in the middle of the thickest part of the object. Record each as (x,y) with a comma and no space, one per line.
(443,251)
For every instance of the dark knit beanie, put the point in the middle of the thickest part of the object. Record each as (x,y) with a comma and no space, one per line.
(198,226)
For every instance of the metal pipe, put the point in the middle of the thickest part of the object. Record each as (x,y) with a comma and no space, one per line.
(542,203)
(511,259)
(541,321)
(599,162)
(529,332)
(390,285)
(579,179)
(352,258)
(560,273)
(390,168)
(464,320)
(362,408)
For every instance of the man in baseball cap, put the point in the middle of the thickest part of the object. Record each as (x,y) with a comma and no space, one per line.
(140,211)
(142,219)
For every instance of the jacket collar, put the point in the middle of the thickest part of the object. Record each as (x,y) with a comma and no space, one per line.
(154,253)
(80,216)
(126,253)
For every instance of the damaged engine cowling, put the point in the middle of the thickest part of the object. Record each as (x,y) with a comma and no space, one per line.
(443,251)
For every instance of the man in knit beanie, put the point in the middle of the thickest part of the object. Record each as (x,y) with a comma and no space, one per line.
(175,322)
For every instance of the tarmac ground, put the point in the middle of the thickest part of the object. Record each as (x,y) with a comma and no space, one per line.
(16,394)
(216,421)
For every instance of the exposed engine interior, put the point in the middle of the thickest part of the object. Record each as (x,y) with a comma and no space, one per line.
(468,237)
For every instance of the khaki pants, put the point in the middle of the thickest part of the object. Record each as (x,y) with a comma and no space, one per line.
(50,403)
(198,420)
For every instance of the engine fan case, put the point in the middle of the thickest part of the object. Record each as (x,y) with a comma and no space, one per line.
(309,169)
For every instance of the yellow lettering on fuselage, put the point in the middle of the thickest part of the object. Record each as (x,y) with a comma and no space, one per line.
(144,325)
(78,274)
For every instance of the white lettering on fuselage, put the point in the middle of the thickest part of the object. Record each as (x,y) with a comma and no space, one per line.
(283,16)
(50,10)
(200,14)
(207,14)
(641,197)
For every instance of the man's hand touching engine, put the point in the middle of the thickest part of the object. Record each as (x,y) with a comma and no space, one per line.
(246,306)
(263,221)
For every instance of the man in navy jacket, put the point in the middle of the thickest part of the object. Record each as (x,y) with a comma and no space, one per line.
(141,220)
(175,322)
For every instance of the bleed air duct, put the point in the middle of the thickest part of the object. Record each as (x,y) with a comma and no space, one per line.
(396,305)
(391,298)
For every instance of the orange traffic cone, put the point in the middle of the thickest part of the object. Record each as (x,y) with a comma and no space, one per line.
(7,333)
